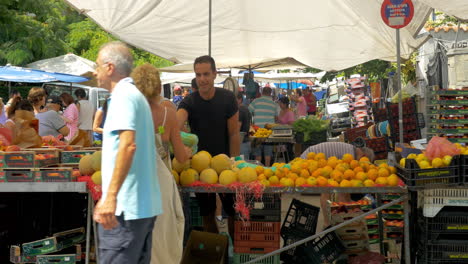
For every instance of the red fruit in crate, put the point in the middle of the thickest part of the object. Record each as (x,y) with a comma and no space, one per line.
(40,157)
(76,173)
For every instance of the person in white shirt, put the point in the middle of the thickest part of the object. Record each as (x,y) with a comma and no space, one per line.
(86,113)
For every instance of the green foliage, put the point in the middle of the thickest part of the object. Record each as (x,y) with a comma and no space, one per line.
(34,30)
(442,20)
(310,125)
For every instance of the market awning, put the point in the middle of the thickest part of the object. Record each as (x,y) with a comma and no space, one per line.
(456,8)
(68,63)
(329,35)
(18,74)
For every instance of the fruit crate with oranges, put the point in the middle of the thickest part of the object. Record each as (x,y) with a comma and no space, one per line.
(60,174)
(256,237)
(415,176)
(265,209)
(29,158)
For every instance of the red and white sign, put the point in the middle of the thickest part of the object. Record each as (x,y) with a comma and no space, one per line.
(397,13)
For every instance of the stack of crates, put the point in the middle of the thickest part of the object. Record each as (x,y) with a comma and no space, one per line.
(444,226)
(300,223)
(196,219)
(261,234)
(354,236)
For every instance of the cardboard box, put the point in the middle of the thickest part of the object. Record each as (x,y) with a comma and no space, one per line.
(56,259)
(62,174)
(36,175)
(205,248)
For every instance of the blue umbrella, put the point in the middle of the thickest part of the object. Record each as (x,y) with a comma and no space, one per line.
(291,85)
(18,74)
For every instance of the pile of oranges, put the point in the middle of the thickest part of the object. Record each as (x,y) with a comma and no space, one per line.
(318,170)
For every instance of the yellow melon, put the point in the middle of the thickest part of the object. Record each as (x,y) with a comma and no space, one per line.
(85,165)
(96,178)
(179,167)
(96,160)
(188,176)
(201,161)
(209,176)
(227,177)
(220,163)
(247,174)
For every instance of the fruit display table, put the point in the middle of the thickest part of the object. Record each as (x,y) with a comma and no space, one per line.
(64,187)
(319,190)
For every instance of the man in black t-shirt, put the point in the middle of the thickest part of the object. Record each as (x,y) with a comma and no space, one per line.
(212,114)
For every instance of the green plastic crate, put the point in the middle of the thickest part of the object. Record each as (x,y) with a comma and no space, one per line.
(242,258)
(196,218)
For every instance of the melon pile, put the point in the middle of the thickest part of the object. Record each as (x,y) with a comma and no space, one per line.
(90,165)
(315,170)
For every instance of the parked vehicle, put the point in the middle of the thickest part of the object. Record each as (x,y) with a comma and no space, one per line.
(337,110)
(96,95)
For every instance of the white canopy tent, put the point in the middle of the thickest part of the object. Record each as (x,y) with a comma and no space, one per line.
(68,63)
(329,35)
(456,8)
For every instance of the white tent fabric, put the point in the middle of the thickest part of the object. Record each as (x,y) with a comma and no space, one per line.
(69,63)
(456,8)
(329,35)
(261,65)
(167,77)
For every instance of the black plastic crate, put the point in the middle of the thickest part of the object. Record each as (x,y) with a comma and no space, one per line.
(196,218)
(379,144)
(301,220)
(321,250)
(445,251)
(450,221)
(464,168)
(266,209)
(446,176)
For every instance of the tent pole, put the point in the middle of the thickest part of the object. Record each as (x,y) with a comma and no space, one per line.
(398,82)
(209,29)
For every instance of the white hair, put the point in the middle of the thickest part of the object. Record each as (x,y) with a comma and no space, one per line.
(117,53)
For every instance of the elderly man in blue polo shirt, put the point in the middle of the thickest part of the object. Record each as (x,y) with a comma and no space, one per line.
(130,188)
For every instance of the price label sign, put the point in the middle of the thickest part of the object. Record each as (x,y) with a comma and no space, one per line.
(397,13)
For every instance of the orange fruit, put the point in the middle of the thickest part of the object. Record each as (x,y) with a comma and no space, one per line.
(383,172)
(259,170)
(317,173)
(310,155)
(311,181)
(345,183)
(361,176)
(369,183)
(304,173)
(348,174)
(381,181)
(288,182)
(336,175)
(279,173)
(357,183)
(285,171)
(296,168)
(354,164)
(332,162)
(322,163)
(392,170)
(322,181)
(312,167)
(383,165)
(393,180)
(347,158)
(358,169)
(372,174)
(300,181)
(320,156)
(268,173)
(340,167)
(364,166)
(293,176)
(261,177)
(304,165)
(333,183)
(326,171)
(273,180)
(364,159)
